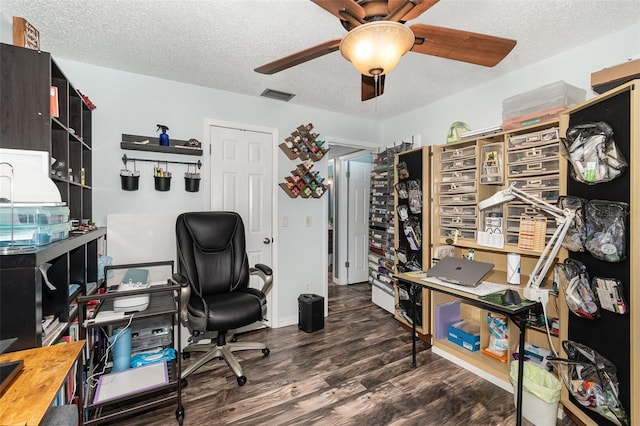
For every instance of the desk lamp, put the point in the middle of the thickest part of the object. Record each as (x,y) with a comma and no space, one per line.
(563,218)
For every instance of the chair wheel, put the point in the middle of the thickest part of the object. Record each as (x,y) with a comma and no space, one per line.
(184,383)
(186,355)
(242,380)
(266,352)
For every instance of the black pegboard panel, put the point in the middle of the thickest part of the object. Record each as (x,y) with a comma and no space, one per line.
(610,334)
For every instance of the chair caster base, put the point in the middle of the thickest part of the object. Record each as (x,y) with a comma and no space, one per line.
(242,380)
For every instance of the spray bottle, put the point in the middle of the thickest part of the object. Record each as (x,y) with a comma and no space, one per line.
(164,137)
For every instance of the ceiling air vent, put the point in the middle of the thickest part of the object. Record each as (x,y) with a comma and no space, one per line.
(276,94)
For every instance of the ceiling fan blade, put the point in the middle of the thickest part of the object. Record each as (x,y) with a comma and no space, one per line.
(299,57)
(420,7)
(334,7)
(480,49)
(371,88)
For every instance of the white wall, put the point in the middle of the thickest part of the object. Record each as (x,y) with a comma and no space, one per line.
(481,106)
(134,104)
(131,103)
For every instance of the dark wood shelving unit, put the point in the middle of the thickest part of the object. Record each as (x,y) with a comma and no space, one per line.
(25,299)
(28,122)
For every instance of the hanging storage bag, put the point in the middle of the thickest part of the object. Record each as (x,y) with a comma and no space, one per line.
(572,275)
(606,229)
(593,153)
(577,233)
(592,380)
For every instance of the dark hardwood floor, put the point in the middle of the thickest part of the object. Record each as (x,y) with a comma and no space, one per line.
(355,371)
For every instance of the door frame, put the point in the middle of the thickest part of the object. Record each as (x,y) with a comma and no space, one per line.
(342,245)
(210,122)
(361,145)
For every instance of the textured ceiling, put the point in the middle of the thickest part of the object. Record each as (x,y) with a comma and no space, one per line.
(218,43)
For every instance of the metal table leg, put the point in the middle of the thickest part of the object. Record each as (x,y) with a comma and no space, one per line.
(413,293)
(519,320)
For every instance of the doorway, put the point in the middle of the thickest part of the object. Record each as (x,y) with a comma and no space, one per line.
(349,171)
(241,180)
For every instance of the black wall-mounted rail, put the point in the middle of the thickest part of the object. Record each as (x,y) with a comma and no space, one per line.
(126,159)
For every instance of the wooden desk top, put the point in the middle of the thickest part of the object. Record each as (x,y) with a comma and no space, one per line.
(28,397)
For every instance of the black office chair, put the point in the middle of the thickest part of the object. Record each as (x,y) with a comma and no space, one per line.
(214,273)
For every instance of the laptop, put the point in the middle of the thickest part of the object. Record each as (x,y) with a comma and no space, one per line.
(460,271)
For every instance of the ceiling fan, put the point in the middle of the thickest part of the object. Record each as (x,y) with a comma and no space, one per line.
(379,24)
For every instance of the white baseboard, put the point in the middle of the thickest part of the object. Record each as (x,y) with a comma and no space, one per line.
(285,322)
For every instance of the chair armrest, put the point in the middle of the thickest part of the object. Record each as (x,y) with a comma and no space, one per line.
(264,268)
(265,273)
(185,294)
(180,279)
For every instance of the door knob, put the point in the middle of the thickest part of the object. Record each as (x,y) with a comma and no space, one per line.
(266,240)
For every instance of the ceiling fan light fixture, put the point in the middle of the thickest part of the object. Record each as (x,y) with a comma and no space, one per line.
(375,48)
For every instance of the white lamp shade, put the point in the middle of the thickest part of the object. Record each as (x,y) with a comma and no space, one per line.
(375,48)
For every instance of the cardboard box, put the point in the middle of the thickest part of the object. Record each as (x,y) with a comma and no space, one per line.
(608,78)
(466,334)
(25,34)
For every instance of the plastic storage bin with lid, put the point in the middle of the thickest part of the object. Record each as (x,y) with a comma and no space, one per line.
(541,104)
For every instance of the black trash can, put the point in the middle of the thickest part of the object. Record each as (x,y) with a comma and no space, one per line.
(310,312)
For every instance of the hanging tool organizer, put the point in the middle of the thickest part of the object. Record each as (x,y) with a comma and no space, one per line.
(161,175)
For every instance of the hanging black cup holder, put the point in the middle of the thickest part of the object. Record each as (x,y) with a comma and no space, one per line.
(162,177)
(191,180)
(129,179)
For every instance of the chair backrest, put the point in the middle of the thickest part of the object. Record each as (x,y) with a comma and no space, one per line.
(212,252)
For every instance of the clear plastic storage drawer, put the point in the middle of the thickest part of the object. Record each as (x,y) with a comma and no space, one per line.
(33,235)
(459,164)
(456,153)
(459,211)
(535,153)
(537,183)
(457,187)
(33,215)
(459,176)
(534,168)
(463,234)
(457,199)
(527,140)
(458,222)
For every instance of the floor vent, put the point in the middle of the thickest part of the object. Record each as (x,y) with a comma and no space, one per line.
(276,94)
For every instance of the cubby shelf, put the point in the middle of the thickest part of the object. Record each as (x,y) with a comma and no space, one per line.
(470,171)
(41,110)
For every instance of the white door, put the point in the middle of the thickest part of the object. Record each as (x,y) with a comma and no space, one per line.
(358,221)
(242,181)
